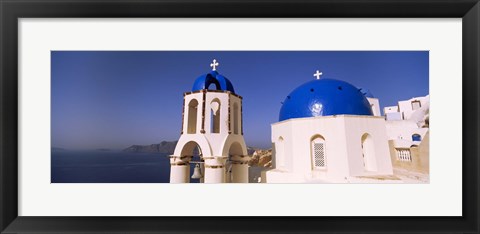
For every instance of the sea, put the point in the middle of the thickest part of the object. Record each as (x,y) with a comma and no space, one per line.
(110,167)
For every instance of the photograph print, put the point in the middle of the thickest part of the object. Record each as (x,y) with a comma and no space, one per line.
(240,117)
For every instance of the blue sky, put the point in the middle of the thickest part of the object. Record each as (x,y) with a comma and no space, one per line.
(113,99)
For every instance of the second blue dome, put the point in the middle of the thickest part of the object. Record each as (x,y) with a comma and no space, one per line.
(324,97)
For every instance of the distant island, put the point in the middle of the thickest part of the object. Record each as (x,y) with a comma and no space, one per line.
(167,147)
(103,149)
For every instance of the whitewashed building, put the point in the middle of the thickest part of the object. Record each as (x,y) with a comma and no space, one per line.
(328,131)
(407,125)
(405,109)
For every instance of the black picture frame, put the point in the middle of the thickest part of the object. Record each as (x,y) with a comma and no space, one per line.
(11,11)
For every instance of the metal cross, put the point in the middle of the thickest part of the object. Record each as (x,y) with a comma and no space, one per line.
(214,65)
(318,74)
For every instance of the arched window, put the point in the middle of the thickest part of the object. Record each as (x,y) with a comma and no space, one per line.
(235,118)
(280,153)
(416,137)
(318,152)
(192,116)
(215,116)
(368,153)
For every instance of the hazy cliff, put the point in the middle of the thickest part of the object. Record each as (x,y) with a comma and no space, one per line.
(261,158)
(166,147)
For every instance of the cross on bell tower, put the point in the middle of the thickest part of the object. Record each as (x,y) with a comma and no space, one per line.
(214,65)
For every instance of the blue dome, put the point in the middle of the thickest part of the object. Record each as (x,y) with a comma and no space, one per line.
(324,97)
(220,82)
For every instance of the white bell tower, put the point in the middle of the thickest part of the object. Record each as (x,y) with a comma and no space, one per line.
(212,126)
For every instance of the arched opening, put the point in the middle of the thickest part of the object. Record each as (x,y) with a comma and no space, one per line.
(236,118)
(280,152)
(215,116)
(192,116)
(236,171)
(368,153)
(193,153)
(318,152)
(212,84)
(416,137)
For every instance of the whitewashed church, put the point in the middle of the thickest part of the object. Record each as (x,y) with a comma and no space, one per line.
(328,131)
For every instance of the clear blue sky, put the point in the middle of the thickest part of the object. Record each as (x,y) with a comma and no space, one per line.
(113,99)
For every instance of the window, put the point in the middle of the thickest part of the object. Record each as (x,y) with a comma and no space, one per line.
(192,116)
(416,137)
(368,153)
(235,118)
(404,155)
(318,152)
(280,153)
(215,116)
(416,105)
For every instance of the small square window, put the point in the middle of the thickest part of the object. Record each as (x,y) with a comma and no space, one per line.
(416,105)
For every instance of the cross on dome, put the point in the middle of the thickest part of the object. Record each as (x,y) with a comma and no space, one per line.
(214,65)
(318,74)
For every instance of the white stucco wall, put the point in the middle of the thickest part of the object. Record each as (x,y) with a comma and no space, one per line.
(390,109)
(375,127)
(403,130)
(343,149)
(393,116)
(405,107)
(375,105)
